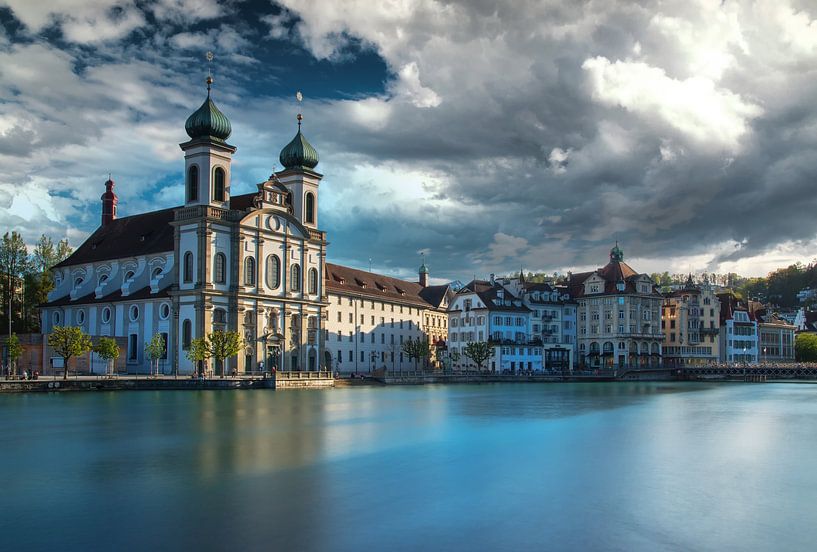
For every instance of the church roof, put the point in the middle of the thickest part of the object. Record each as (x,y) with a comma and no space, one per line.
(136,235)
(126,237)
(299,153)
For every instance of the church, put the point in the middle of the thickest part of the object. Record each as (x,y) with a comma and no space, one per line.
(252,263)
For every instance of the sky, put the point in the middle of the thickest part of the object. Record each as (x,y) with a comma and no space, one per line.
(487,135)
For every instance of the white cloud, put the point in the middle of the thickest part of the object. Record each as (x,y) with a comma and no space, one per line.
(410,87)
(709,115)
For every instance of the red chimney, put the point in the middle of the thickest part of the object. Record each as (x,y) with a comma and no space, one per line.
(109,201)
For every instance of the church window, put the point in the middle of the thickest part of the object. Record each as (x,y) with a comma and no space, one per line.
(133,313)
(157,272)
(56,318)
(193,183)
(249,271)
(78,282)
(80,317)
(106,315)
(129,275)
(313,283)
(218,184)
(219,319)
(295,277)
(273,272)
(102,279)
(219,263)
(309,211)
(187,334)
(164,311)
(188,267)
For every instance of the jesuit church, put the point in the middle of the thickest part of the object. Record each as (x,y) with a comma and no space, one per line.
(250,263)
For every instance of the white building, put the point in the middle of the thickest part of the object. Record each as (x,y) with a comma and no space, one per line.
(486,311)
(370,316)
(250,263)
(738,333)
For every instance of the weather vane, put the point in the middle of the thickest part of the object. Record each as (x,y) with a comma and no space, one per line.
(300,98)
(209,56)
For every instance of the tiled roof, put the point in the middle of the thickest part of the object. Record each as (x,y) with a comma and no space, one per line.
(488,294)
(136,235)
(342,279)
(612,273)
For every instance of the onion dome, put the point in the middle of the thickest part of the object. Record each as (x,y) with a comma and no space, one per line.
(616,254)
(208,121)
(299,153)
(423,268)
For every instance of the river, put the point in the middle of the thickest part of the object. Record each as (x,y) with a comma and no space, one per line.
(589,466)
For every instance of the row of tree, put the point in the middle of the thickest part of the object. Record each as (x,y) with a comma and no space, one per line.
(71,341)
(26,280)
(477,352)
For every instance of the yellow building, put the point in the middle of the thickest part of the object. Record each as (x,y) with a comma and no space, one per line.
(691,321)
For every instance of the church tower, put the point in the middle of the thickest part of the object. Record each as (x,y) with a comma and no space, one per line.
(299,160)
(423,273)
(207,156)
(109,201)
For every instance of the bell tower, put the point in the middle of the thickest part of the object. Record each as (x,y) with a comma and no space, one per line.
(207,156)
(109,201)
(299,160)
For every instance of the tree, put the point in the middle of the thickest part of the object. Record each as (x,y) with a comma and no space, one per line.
(39,282)
(198,352)
(14,264)
(416,349)
(805,347)
(108,350)
(68,342)
(478,352)
(15,351)
(155,349)
(223,345)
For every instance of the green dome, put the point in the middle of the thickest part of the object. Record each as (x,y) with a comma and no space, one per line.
(299,153)
(616,254)
(208,121)
(423,269)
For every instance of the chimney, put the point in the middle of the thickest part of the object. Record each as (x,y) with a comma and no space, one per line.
(109,201)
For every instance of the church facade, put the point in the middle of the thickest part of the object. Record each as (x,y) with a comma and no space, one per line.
(251,263)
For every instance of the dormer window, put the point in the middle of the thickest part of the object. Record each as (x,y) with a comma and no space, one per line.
(129,275)
(157,272)
(102,279)
(360,282)
(77,282)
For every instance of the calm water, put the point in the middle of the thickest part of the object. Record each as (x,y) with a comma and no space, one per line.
(513,467)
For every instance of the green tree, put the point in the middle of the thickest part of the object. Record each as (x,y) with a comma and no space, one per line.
(39,282)
(69,342)
(15,350)
(108,350)
(198,352)
(223,345)
(478,352)
(805,347)
(416,349)
(155,349)
(14,265)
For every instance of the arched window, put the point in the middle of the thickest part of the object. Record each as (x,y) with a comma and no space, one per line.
(313,281)
(193,183)
(273,272)
(219,263)
(249,271)
(295,278)
(187,334)
(309,210)
(218,184)
(187,275)
(219,319)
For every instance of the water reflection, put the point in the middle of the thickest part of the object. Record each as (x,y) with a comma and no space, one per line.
(639,466)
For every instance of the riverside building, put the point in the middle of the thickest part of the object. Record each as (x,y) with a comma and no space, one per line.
(619,316)
(371,316)
(738,332)
(691,324)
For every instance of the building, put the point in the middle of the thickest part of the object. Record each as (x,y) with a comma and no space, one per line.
(250,263)
(619,316)
(370,316)
(738,332)
(691,324)
(485,311)
(775,339)
(553,321)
